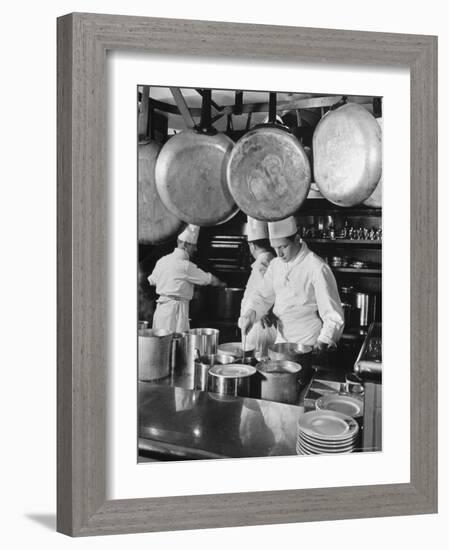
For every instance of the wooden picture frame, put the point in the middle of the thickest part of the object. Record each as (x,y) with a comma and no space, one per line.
(83,40)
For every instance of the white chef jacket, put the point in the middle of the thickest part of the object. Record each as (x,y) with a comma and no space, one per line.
(305,297)
(174,277)
(258,337)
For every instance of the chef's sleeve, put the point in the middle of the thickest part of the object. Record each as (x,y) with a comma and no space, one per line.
(329,306)
(263,296)
(152,279)
(197,276)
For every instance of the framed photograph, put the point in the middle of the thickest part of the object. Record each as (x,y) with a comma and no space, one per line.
(247,274)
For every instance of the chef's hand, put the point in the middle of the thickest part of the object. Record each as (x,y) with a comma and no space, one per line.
(247,321)
(268,320)
(320,347)
(217,282)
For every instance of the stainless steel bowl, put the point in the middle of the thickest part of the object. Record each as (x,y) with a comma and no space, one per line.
(234,349)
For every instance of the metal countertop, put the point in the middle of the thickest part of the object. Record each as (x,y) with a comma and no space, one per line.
(178,423)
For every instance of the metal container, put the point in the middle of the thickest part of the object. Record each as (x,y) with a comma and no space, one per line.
(279,381)
(202,366)
(197,342)
(176,351)
(228,302)
(232,379)
(154,354)
(298,353)
(366,304)
(234,349)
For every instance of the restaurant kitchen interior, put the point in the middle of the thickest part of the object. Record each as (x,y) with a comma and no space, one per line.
(201,395)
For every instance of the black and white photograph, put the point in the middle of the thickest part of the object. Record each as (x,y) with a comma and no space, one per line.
(259,273)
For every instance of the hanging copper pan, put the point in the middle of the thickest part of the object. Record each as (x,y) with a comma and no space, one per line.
(347,152)
(155,223)
(191,173)
(269,172)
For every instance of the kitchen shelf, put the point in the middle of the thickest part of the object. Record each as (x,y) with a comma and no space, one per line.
(355,242)
(355,270)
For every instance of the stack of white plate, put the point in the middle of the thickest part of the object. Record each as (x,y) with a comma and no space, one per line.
(326,432)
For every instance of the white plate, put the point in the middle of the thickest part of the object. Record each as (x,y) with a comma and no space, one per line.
(232,371)
(328,425)
(321,449)
(344,404)
(326,443)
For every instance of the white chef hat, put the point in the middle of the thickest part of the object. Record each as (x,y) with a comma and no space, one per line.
(190,234)
(282,228)
(255,229)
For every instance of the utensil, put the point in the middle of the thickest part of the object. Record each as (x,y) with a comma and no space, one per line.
(156,224)
(269,173)
(347,152)
(154,351)
(191,173)
(231,379)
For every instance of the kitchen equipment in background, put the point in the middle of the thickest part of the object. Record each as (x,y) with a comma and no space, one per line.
(141,325)
(191,172)
(227,303)
(197,342)
(154,352)
(366,304)
(156,224)
(369,361)
(326,432)
(279,381)
(347,152)
(202,366)
(269,172)
(232,379)
(353,384)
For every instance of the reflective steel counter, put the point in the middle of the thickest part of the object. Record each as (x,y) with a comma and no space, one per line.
(178,424)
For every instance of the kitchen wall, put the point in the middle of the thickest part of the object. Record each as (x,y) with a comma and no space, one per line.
(28,318)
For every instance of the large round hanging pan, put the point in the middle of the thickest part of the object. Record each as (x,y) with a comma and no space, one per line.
(155,223)
(347,152)
(375,199)
(191,175)
(269,172)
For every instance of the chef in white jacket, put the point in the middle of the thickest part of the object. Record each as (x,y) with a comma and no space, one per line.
(174,276)
(302,289)
(263,333)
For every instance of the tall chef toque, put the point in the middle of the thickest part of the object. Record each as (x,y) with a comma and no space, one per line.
(282,228)
(256,229)
(190,234)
